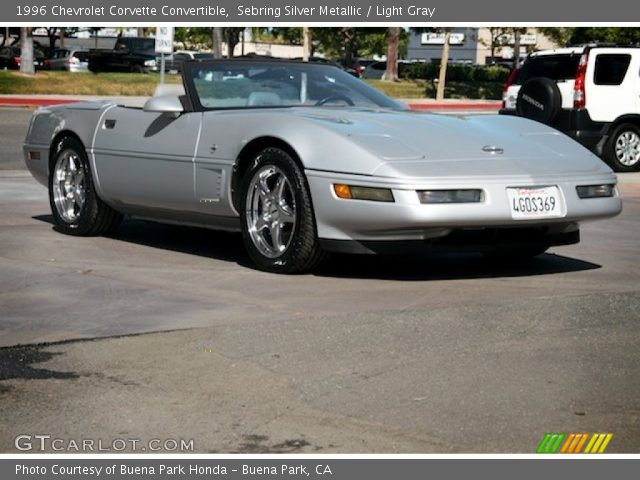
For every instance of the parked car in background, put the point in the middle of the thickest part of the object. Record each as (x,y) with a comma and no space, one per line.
(10,58)
(375,70)
(173,64)
(360,64)
(129,54)
(591,93)
(70,60)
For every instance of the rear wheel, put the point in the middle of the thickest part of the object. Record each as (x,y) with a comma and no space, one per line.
(278,224)
(75,206)
(622,150)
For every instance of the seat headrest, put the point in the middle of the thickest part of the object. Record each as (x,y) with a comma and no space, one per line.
(264,99)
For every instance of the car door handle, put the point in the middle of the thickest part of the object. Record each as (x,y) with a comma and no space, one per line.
(109,123)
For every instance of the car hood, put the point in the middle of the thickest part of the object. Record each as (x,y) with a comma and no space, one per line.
(415,144)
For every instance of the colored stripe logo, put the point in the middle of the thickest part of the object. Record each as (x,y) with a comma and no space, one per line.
(574,442)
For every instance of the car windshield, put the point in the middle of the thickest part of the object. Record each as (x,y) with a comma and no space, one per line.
(556,67)
(250,84)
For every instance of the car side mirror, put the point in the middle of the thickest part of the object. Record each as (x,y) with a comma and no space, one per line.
(168,104)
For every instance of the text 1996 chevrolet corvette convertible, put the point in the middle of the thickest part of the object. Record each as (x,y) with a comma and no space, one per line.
(305,159)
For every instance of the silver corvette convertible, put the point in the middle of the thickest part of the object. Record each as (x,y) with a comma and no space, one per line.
(305,159)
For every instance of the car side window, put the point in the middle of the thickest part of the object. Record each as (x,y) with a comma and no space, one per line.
(611,68)
(556,67)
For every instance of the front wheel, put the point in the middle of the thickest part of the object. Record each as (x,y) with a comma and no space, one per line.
(76,208)
(622,150)
(278,223)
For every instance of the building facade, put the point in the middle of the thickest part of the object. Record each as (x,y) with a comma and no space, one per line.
(477,46)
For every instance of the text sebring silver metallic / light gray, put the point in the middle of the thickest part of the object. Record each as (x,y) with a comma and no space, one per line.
(305,159)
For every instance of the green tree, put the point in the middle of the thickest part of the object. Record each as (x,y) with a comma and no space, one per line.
(605,34)
(561,36)
(348,43)
(196,38)
(193,38)
(498,35)
(564,36)
(290,35)
(232,37)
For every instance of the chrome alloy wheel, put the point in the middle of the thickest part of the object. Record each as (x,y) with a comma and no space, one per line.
(627,148)
(69,186)
(270,211)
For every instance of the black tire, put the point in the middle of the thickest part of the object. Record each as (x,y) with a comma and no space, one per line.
(303,252)
(618,160)
(515,254)
(539,99)
(137,69)
(94,217)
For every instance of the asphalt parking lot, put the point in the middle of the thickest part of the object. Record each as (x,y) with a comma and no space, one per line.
(167,332)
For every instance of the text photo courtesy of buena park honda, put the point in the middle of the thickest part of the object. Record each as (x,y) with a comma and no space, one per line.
(319,240)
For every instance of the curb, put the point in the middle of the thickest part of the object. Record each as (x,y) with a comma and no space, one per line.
(32,102)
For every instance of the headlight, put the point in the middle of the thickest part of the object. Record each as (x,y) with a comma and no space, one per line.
(596,191)
(349,192)
(150,63)
(450,196)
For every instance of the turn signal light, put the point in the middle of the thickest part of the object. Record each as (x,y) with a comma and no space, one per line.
(596,191)
(349,192)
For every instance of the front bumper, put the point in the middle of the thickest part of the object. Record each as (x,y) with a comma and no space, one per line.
(406,219)
(464,239)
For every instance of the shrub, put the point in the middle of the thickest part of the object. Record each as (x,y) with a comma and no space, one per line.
(455,73)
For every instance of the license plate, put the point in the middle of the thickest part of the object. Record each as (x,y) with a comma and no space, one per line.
(535,202)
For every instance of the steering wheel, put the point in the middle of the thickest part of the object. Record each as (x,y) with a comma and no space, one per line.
(336,97)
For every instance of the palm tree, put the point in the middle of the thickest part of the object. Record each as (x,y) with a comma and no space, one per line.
(217,42)
(26,51)
(442,77)
(391,73)
(306,43)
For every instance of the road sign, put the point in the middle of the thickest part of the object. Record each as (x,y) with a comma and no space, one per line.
(164,40)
